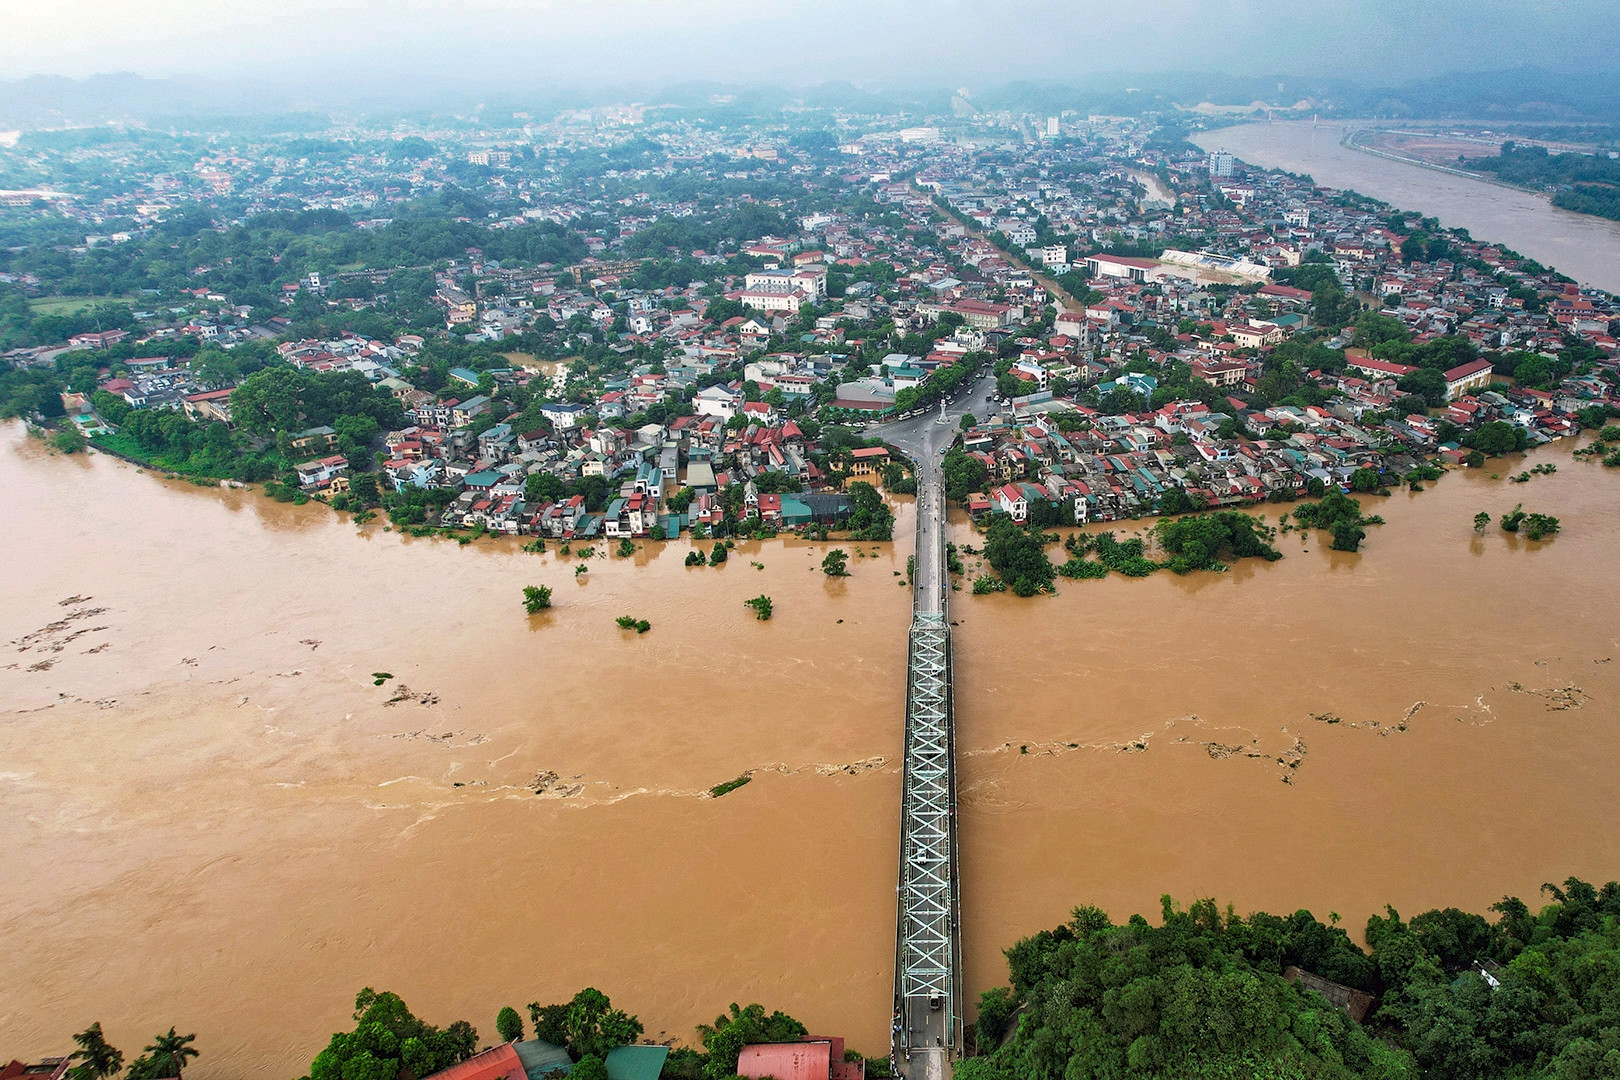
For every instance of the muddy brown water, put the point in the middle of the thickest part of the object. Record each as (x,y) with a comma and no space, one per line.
(215,819)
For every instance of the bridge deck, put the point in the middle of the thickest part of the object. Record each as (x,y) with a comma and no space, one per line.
(928,965)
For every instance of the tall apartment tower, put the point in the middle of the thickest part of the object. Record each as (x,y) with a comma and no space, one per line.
(1051,127)
(1220,163)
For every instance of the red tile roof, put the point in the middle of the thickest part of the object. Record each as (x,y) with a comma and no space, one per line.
(497,1063)
(1462,371)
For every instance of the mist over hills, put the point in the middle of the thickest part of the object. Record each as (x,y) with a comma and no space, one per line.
(1500,96)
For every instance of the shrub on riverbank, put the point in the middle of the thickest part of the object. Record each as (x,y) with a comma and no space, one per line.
(1018,556)
(1197,543)
(68,439)
(1121,556)
(1338,514)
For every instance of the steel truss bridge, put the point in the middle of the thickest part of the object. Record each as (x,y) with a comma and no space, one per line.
(928,950)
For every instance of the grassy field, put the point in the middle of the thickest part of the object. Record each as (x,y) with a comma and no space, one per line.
(69,305)
(125,446)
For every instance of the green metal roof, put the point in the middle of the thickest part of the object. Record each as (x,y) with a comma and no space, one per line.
(795,511)
(636,1062)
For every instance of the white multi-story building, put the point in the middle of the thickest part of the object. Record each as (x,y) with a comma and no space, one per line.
(761,300)
(562,414)
(812,283)
(717,401)
(1020,233)
(1220,163)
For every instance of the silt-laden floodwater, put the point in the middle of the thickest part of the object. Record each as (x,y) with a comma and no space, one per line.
(216,820)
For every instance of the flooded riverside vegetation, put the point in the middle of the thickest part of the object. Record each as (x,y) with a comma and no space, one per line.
(217,818)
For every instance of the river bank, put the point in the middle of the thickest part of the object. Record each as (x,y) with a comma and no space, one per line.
(1358,140)
(1585,247)
(216,812)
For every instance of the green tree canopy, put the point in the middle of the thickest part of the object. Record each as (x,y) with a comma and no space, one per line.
(730,1032)
(97,1058)
(388,1041)
(963,474)
(1198,543)
(1018,556)
(507,1022)
(290,399)
(592,1026)
(166,1056)
(1497,437)
(1426,383)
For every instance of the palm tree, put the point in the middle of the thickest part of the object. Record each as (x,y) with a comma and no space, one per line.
(169,1052)
(97,1058)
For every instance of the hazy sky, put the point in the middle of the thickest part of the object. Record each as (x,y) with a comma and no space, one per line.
(484,43)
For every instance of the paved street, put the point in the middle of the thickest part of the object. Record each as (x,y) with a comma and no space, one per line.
(924,439)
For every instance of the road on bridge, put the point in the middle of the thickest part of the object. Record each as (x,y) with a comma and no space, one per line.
(924,439)
(928,1021)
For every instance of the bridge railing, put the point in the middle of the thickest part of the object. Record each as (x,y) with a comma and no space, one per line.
(928,949)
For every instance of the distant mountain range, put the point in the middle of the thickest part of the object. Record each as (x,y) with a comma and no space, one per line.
(1527,94)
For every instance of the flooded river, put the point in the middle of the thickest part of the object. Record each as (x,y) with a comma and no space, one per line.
(215,819)
(1586,248)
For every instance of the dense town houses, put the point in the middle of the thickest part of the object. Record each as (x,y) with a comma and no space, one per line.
(617,356)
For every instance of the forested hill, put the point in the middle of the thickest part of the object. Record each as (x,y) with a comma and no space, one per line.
(1457,996)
